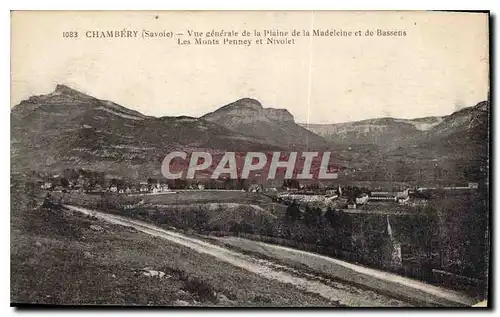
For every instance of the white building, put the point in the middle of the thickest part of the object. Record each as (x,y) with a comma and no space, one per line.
(363,199)
(46,185)
(389,196)
(404,200)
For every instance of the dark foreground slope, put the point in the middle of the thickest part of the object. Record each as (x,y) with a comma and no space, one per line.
(60,257)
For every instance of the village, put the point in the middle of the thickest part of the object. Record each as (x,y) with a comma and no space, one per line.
(349,198)
(83,185)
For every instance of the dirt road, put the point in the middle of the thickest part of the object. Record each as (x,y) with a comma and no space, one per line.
(345,294)
(385,282)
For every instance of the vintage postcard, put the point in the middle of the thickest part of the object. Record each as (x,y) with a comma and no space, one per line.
(250,158)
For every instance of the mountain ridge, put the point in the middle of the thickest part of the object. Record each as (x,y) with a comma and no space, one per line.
(67,128)
(389,131)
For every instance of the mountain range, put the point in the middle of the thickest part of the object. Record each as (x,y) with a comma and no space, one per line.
(379,131)
(393,132)
(69,129)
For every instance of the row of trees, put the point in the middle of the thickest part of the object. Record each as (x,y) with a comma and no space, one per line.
(449,234)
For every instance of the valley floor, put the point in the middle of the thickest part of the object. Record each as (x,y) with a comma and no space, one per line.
(81,256)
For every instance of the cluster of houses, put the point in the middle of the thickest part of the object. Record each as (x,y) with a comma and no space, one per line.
(144,187)
(58,184)
(400,197)
(329,196)
(334,195)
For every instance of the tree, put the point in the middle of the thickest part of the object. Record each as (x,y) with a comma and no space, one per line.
(311,217)
(291,183)
(241,183)
(332,217)
(64,182)
(179,183)
(293,212)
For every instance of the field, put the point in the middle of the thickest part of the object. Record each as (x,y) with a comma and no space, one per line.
(190,210)
(184,197)
(58,258)
(360,237)
(220,197)
(207,196)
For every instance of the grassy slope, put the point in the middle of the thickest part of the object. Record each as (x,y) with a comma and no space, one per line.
(57,259)
(183,209)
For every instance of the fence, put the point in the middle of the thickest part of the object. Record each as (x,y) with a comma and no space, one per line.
(426,274)
(337,253)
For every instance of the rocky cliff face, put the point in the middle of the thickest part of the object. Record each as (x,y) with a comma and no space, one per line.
(394,132)
(278,126)
(461,121)
(248,110)
(280,115)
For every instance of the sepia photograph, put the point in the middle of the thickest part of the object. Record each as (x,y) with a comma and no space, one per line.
(334,159)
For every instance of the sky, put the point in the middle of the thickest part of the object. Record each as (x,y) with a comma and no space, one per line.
(440,66)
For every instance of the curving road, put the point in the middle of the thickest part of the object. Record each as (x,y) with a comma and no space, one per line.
(347,294)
